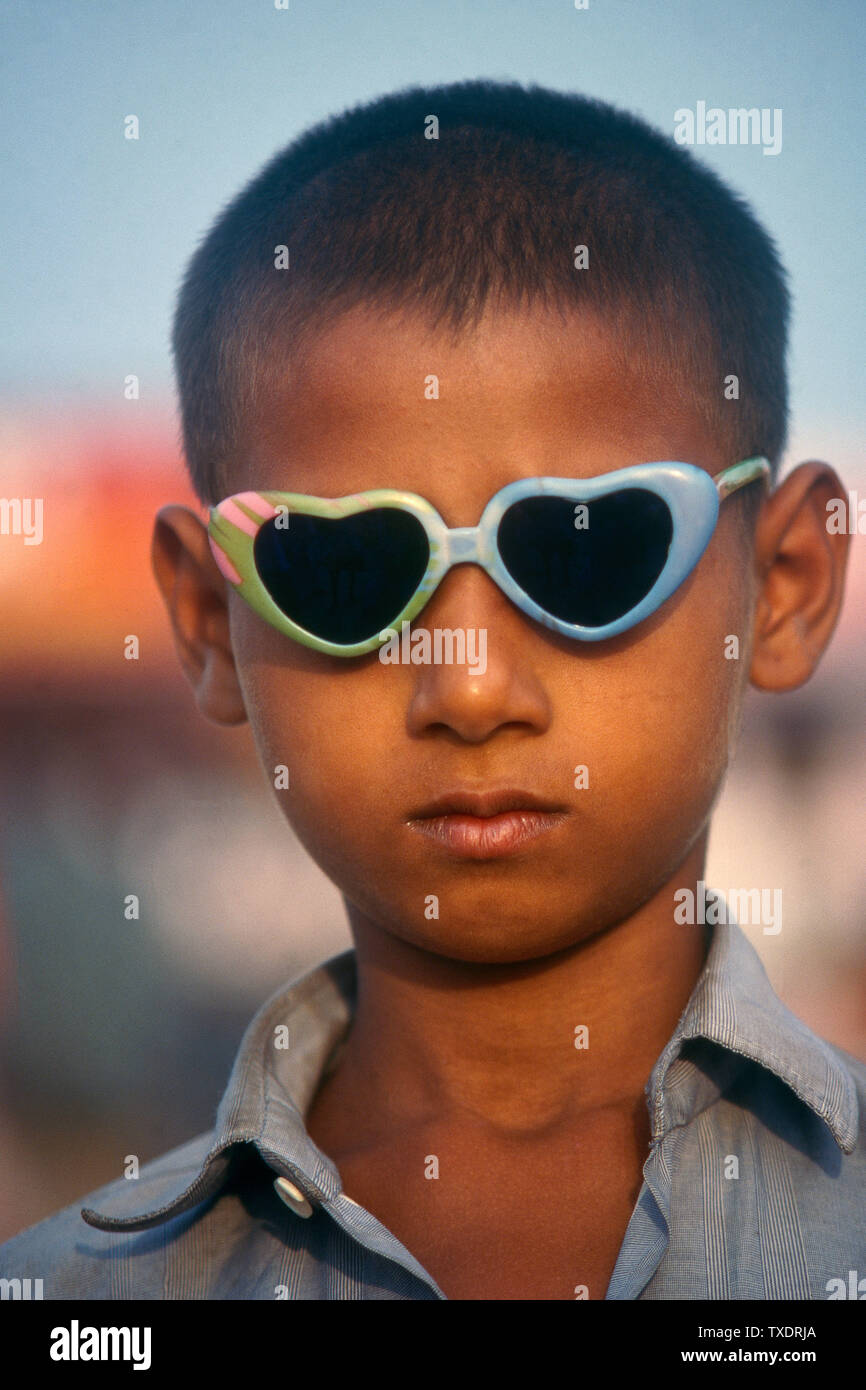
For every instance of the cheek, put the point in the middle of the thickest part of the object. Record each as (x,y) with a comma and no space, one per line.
(668,709)
(336,741)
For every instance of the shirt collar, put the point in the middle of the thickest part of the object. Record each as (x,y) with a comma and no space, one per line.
(288,1048)
(734,1005)
(295,1038)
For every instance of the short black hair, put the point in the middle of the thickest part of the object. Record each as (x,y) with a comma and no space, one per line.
(373,210)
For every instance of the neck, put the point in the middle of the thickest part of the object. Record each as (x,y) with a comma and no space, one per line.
(436,1039)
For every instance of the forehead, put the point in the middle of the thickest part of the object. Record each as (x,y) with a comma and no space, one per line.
(381,399)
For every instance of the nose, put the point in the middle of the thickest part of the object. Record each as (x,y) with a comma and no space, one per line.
(474,699)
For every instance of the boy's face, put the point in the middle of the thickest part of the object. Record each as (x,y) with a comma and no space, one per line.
(651,715)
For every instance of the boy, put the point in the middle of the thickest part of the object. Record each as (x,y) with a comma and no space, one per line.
(531,1078)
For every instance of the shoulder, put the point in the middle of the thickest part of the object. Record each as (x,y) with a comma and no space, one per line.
(74,1259)
(804,1129)
(817,1103)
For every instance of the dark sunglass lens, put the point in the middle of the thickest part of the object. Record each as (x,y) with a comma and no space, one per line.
(587,563)
(342,579)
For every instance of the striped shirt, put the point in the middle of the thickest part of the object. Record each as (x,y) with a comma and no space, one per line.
(754,1186)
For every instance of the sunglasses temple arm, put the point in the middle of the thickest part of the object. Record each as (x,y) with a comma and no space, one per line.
(741,474)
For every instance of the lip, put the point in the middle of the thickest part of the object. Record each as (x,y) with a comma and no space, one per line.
(492,802)
(486,825)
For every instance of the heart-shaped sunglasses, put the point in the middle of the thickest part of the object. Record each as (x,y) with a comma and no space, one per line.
(587,557)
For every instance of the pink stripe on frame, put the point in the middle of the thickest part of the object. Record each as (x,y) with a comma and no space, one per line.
(231,513)
(257,504)
(226,568)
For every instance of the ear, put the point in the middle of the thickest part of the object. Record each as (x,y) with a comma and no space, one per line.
(801,574)
(194,592)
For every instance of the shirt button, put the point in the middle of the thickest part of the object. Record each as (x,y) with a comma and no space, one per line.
(292,1196)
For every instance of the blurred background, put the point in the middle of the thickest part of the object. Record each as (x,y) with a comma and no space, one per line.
(117,1036)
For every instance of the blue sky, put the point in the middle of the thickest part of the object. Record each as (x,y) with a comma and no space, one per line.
(96,229)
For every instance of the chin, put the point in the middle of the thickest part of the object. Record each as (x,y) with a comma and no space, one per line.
(501,944)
